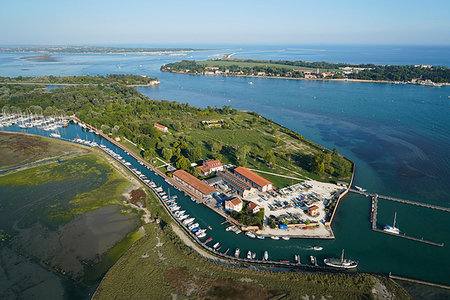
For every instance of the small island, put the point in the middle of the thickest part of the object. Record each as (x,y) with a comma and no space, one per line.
(411,74)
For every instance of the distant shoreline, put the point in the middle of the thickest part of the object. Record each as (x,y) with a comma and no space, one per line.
(307,79)
(152,83)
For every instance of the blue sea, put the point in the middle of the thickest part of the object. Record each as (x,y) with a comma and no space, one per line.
(398,136)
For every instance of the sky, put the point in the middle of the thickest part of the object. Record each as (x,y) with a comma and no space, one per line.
(140,22)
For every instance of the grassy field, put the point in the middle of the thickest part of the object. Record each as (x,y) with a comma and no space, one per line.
(161,266)
(258,135)
(218,63)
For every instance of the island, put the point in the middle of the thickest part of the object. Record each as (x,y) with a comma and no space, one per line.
(410,74)
(97,49)
(129,80)
(197,150)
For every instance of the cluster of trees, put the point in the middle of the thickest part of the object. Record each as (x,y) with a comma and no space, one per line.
(119,110)
(331,163)
(403,73)
(108,79)
(247,217)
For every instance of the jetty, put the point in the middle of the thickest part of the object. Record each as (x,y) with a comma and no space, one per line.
(446,209)
(374,213)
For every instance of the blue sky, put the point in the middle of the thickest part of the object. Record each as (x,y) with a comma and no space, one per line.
(225,22)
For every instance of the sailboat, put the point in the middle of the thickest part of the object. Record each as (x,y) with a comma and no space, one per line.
(392,229)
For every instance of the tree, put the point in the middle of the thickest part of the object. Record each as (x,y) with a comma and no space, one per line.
(269,158)
(167,154)
(183,163)
(216,147)
(149,153)
(195,154)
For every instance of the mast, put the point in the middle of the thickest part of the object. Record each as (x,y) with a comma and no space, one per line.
(395,217)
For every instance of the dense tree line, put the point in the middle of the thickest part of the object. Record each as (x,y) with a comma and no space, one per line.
(108,79)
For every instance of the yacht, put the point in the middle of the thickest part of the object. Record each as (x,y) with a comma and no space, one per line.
(266,255)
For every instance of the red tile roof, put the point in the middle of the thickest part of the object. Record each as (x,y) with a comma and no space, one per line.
(314,207)
(236,201)
(252,205)
(203,169)
(255,178)
(212,163)
(160,126)
(197,184)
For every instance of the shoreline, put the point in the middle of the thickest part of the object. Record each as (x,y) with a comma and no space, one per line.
(313,79)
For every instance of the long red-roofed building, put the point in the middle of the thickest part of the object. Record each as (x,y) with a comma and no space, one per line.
(196,186)
(253,179)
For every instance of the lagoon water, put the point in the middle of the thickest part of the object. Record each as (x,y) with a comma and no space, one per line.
(398,136)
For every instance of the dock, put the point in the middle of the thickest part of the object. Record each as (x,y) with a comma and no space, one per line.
(373,220)
(446,209)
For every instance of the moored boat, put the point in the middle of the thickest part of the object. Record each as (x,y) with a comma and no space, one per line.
(250,234)
(266,255)
(340,263)
(275,237)
(237,252)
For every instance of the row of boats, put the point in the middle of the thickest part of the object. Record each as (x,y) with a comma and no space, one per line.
(31,120)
